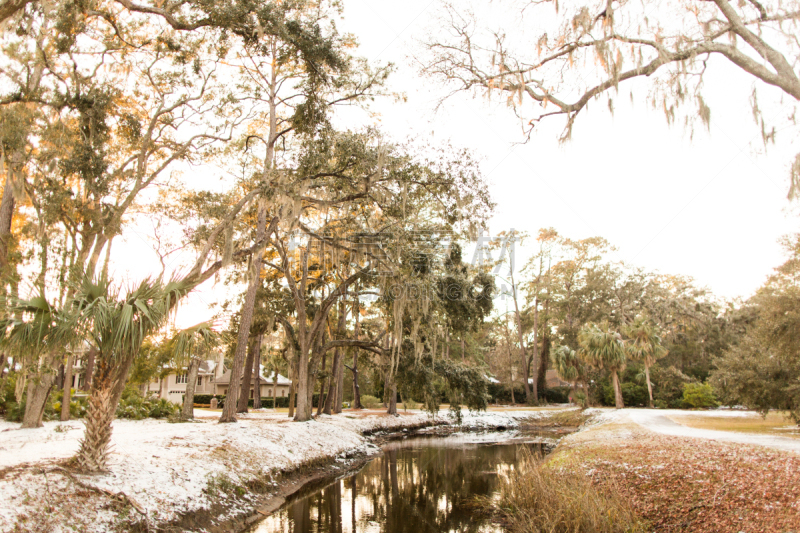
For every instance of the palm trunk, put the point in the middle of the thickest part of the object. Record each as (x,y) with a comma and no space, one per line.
(248,307)
(109,382)
(544,360)
(291,399)
(93,452)
(244,393)
(617,390)
(38,392)
(649,385)
(191,382)
(67,394)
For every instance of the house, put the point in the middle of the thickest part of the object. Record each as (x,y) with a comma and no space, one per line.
(267,384)
(173,386)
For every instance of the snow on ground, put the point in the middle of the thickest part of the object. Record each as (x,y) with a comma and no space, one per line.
(657,420)
(167,469)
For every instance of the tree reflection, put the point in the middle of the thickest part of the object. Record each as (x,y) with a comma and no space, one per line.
(419,487)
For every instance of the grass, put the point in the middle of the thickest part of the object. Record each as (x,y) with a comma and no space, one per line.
(539,498)
(776,423)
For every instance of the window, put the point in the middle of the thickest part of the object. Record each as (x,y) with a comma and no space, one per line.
(283,393)
(269,392)
(180,378)
(199,380)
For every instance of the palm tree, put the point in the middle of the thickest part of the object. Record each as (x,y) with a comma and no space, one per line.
(568,366)
(604,349)
(117,325)
(32,330)
(644,344)
(192,342)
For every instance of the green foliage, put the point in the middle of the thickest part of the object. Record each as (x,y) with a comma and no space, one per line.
(633,394)
(762,370)
(555,394)
(668,383)
(370,402)
(135,406)
(601,347)
(699,396)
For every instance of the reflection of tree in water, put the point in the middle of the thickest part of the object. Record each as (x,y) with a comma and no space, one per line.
(411,490)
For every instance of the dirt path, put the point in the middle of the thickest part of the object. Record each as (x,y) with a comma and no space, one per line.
(658,420)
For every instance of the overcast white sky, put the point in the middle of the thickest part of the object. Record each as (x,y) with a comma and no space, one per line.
(708,207)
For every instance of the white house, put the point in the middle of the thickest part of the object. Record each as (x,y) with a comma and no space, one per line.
(267,384)
(173,386)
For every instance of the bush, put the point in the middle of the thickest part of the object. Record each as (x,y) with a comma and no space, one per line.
(500,393)
(137,407)
(555,395)
(633,395)
(581,399)
(371,402)
(699,396)
(668,383)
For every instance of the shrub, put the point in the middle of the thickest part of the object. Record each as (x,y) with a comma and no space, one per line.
(633,394)
(137,407)
(371,402)
(555,395)
(668,383)
(535,497)
(411,404)
(581,399)
(698,396)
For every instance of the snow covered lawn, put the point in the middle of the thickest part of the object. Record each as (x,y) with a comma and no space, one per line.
(160,470)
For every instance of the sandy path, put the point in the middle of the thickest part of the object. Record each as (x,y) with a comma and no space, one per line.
(657,420)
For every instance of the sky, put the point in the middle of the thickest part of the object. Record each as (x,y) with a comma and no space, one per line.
(711,207)
(707,207)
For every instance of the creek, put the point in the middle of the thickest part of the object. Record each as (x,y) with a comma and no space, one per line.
(418,485)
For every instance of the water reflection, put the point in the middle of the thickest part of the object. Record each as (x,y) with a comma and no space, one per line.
(418,485)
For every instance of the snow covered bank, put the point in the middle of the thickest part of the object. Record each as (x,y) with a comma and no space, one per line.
(161,471)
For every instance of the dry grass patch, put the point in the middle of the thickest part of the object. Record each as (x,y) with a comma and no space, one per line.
(537,498)
(775,423)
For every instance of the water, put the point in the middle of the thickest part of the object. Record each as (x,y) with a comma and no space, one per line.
(418,485)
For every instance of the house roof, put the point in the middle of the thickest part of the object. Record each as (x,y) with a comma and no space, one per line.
(226,378)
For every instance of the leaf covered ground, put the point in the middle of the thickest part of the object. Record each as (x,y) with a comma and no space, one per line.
(687,484)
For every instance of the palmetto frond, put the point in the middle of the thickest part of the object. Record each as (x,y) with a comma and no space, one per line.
(644,342)
(197,339)
(601,347)
(119,323)
(567,364)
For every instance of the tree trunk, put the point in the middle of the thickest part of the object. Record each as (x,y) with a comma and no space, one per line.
(303,407)
(106,392)
(191,383)
(333,383)
(87,373)
(356,387)
(544,363)
(649,385)
(67,394)
(339,400)
(617,390)
(291,399)
(6,216)
(275,390)
(244,393)
(257,376)
(332,401)
(322,402)
(38,391)
(229,411)
(463,350)
(392,410)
